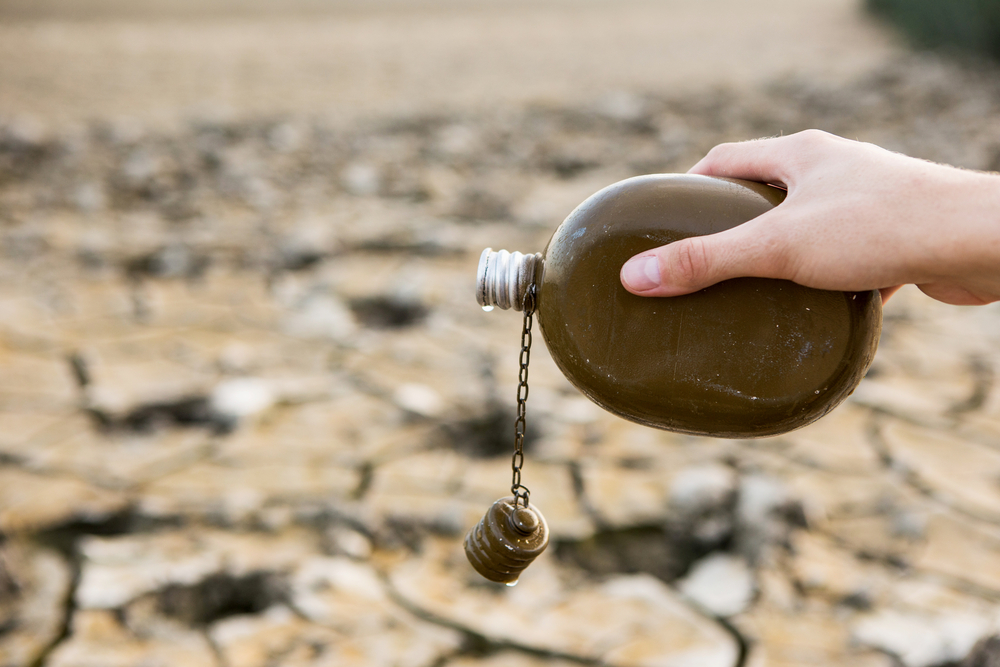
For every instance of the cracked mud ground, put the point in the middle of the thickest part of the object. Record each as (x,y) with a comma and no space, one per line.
(248,407)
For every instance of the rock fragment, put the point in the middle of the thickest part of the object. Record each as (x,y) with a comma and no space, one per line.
(31,502)
(34,588)
(720,583)
(986,653)
(626,621)
(115,571)
(98,638)
(921,640)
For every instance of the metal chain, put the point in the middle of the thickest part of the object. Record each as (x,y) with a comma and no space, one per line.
(521,492)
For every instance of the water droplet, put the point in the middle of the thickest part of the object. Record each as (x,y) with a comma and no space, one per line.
(512,583)
(487,308)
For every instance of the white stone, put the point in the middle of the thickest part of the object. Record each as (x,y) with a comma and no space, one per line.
(242,397)
(699,488)
(921,640)
(419,399)
(761,515)
(285,137)
(361,179)
(350,542)
(321,316)
(622,106)
(760,497)
(109,581)
(457,139)
(321,586)
(89,197)
(720,583)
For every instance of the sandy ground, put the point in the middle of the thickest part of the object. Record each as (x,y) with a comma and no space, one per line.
(155,61)
(249,407)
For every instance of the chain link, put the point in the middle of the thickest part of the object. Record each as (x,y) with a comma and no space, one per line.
(521,492)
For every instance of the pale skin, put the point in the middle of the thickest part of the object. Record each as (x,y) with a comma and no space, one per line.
(857,217)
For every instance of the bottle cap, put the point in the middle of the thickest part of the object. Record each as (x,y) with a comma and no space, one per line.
(503,278)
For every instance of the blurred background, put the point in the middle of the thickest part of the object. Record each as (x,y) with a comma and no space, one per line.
(249,407)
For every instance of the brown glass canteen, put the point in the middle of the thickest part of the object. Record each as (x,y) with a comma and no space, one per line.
(506,540)
(748,357)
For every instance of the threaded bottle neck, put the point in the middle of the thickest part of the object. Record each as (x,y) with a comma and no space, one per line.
(503,278)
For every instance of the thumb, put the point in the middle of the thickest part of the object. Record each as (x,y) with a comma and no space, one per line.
(689,265)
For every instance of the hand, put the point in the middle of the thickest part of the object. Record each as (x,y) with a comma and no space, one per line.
(857,217)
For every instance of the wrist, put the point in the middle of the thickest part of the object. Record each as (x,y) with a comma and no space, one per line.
(969,237)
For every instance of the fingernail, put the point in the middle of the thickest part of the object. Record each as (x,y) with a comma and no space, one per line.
(642,273)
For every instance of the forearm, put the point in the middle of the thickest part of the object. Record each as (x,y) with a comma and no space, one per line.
(963,264)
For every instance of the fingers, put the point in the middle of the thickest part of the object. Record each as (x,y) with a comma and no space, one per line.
(773,160)
(757,160)
(694,263)
(760,247)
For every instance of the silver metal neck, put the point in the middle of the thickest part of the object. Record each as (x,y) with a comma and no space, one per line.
(503,278)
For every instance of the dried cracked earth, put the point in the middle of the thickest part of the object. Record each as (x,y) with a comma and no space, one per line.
(249,408)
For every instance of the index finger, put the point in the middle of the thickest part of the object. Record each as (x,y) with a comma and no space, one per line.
(762,160)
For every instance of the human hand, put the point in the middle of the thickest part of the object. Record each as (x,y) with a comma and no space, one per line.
(857,217)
